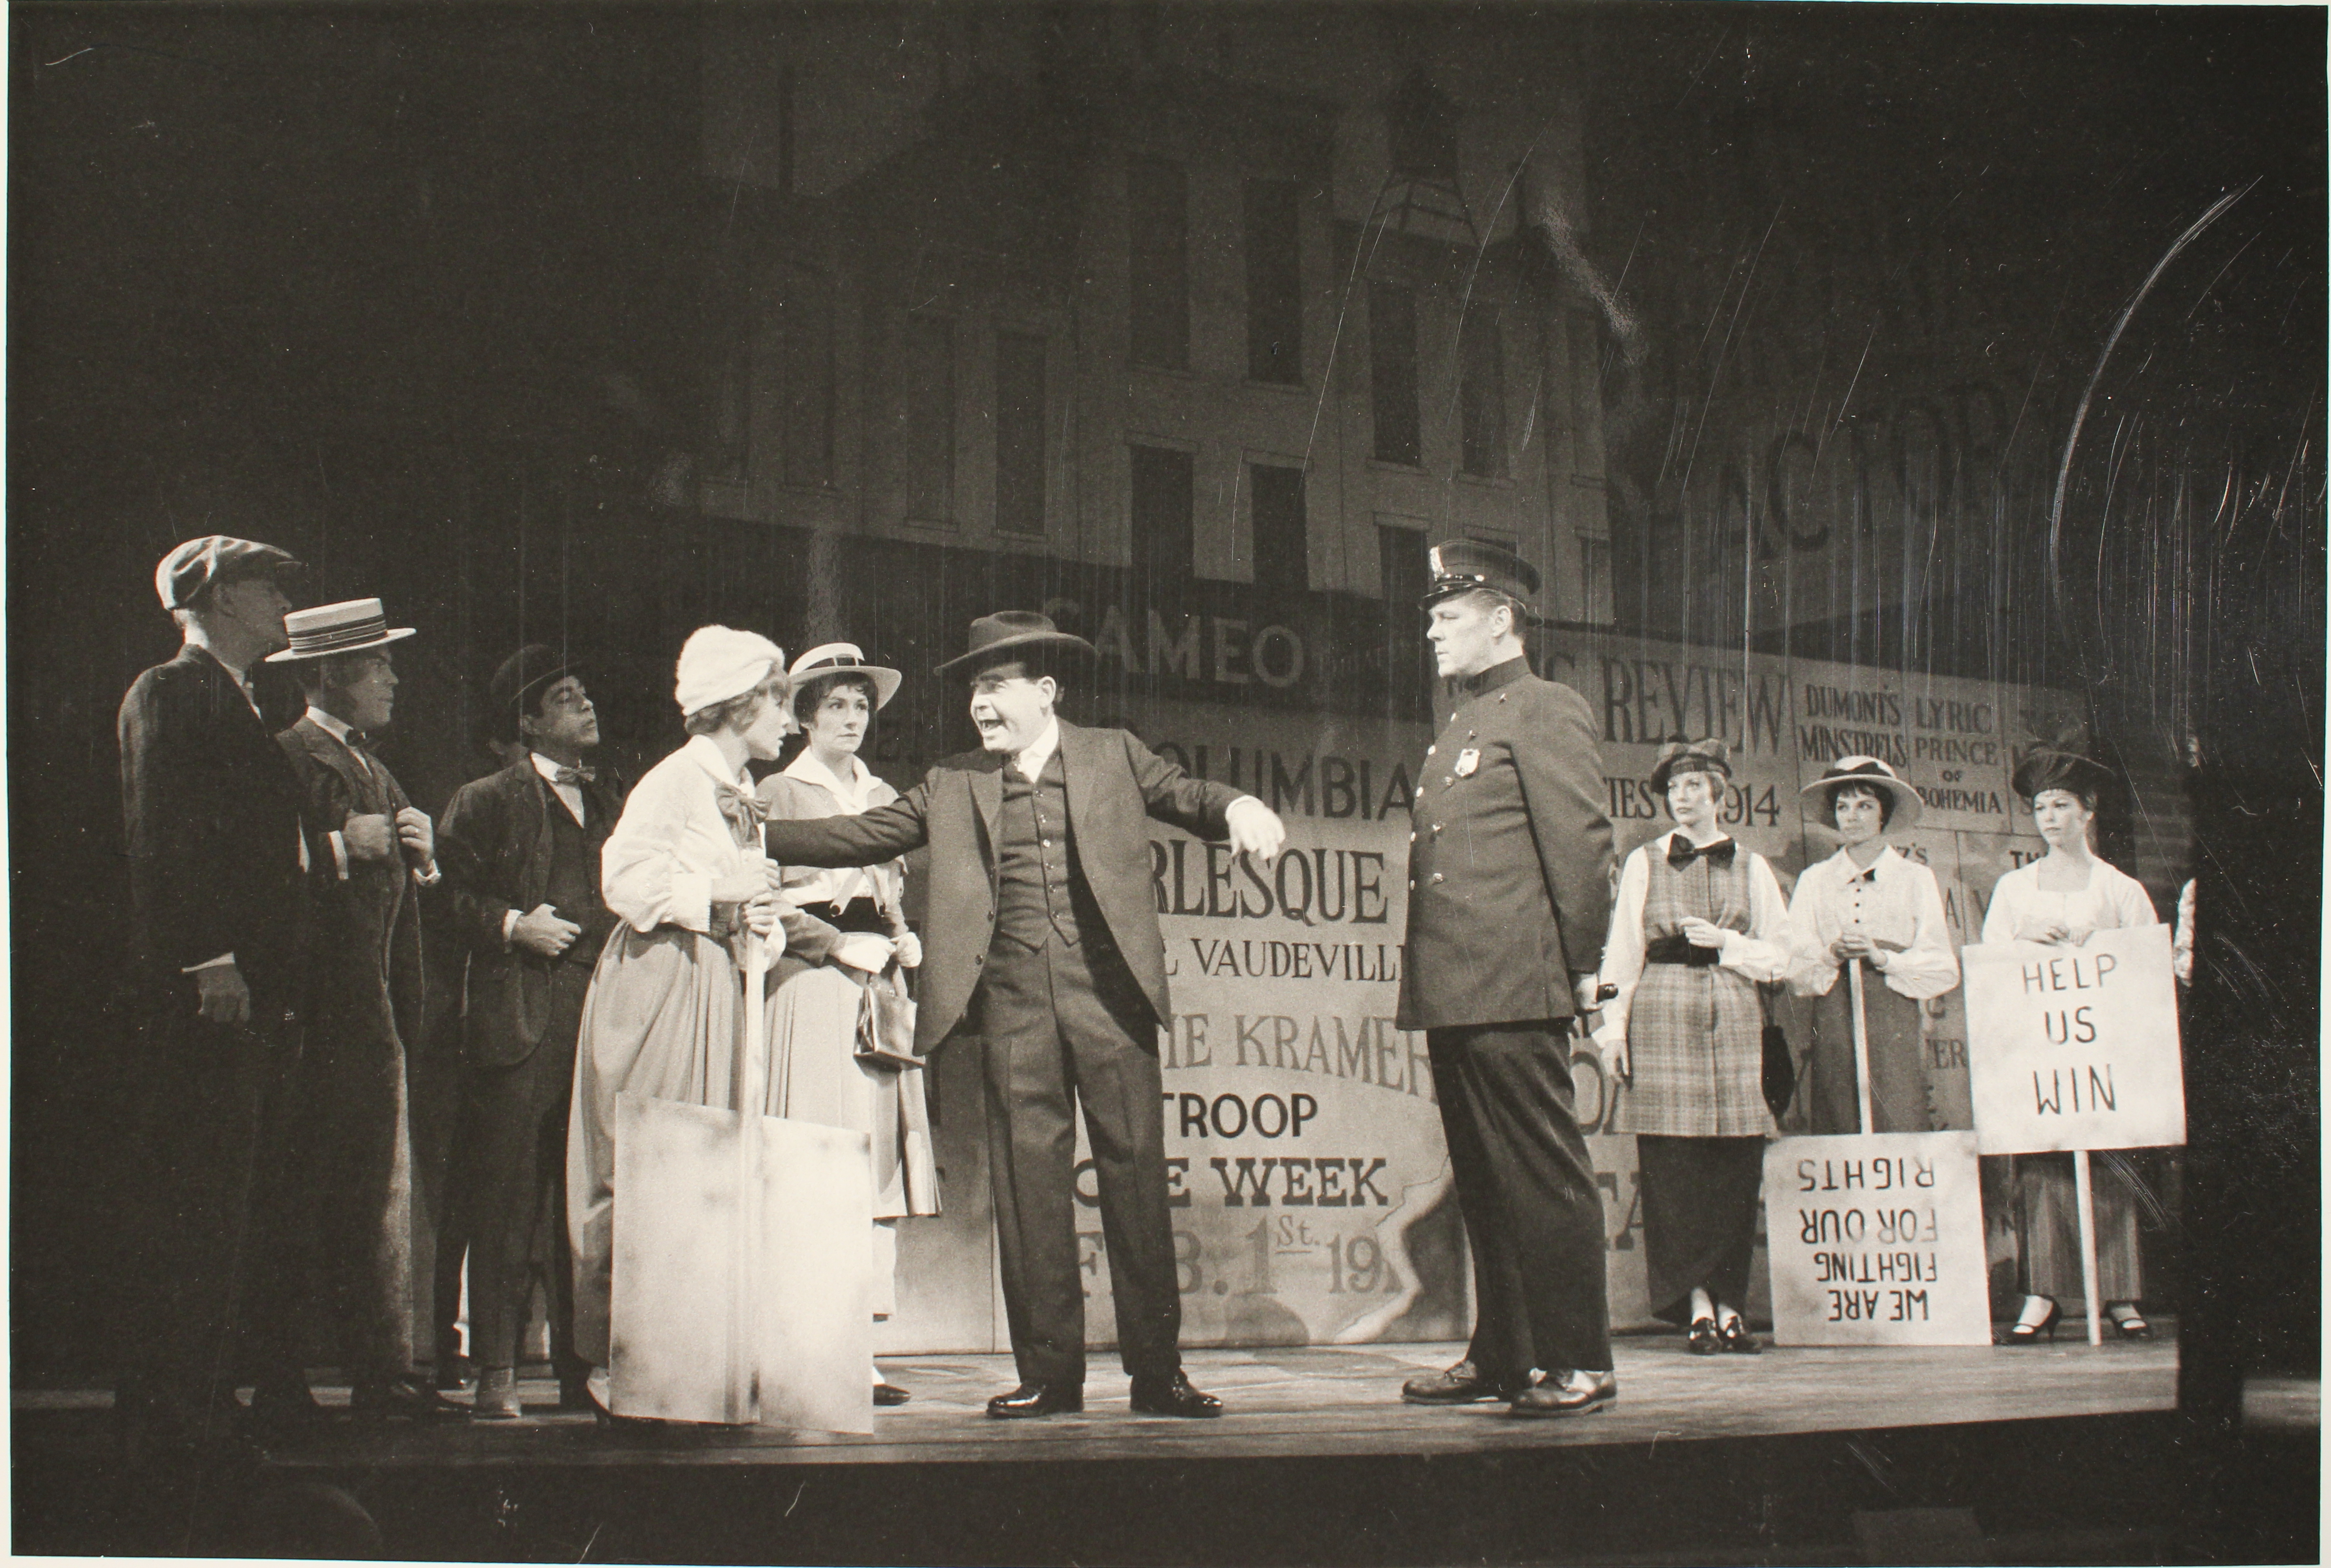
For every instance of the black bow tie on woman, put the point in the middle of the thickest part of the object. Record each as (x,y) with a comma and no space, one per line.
(1681,853)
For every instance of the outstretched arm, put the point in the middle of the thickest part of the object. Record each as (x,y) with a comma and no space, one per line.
(881,834)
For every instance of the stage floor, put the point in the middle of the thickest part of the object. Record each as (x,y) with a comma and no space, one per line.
(1319,1402)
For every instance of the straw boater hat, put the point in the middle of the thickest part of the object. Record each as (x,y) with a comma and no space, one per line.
(1015,634)
(1677,756)
(844,658)
(2049,769)
(1872,774)
(350,626)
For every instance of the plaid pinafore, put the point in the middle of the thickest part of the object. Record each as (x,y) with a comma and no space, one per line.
(1694,1037)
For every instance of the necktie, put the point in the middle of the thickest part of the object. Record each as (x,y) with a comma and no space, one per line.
(744,814)
(1680,853)
(576,775)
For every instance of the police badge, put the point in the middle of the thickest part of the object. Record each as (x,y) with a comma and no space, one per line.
(1467,761)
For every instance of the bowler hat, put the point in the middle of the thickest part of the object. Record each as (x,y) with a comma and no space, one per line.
(1677,756)
(845,658)
(2049,769)
(523,678)
(213,559)
(1869,772)
(1461,565)
(350,626)
(1011,634)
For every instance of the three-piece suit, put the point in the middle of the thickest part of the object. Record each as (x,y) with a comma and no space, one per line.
(1509,894)
(1042,943)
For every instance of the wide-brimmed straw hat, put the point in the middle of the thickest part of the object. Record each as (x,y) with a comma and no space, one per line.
(1871,773)
(350,626)
(845,658)
(1015,634)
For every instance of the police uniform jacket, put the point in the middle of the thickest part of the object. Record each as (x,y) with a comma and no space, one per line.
(1509,859)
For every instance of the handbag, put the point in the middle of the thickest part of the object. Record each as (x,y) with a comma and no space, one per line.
(1780,1075)
(885,1016)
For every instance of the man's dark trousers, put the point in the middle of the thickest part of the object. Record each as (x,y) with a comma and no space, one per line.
(1525,1186)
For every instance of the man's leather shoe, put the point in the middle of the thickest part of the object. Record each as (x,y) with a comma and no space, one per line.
(890,1393)
(1172,1396)
(403,1399)
(455,1371)
(1567,1393)
(574,1391)
(1038,1399)
(1460,1385)
(497,1396)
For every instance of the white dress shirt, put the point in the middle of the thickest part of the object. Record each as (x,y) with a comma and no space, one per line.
(857,794)
(1032,759)
(2021,908)
(672,844)
(1760,954)
(1897,900)
(570,795)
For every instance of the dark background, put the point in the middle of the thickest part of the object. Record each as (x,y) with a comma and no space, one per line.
(427,296)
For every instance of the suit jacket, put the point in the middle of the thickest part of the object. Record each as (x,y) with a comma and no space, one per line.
(1115,784)
(363,948)
(494,845)
(1509,863)
(212,817)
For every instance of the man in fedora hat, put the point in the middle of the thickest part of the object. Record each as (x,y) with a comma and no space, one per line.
(344,1205)
(521,855)
(211,811)
(1044,945)
(1509,899)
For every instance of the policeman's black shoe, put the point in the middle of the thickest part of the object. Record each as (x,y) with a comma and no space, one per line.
(1463,1383)
(408,1398)
(1172,1396)
(455,1371)
(1038,1399)
(1567,1393)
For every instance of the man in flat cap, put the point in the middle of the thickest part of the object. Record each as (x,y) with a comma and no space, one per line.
(343,1210)
(1043,943)
(521,854)
(212,817)
(1508,898)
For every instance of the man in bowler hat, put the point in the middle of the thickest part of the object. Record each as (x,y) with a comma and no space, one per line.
(1044,943)
(211,810)
(520,849)
(1508,898)
(343,1209)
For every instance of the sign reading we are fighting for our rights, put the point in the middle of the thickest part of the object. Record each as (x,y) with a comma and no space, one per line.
(1877,1239)
(2074,1047)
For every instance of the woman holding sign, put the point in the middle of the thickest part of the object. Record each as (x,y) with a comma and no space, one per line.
(1866,909)
(1700,922)
(2061,898)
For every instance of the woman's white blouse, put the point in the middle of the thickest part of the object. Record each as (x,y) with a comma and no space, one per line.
(855,795)
(2019,909)
(671,843)
(1903,905)
(1761,953)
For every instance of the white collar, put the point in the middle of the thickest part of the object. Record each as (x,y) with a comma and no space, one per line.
(337,728)
(807,768)
(545,766)
(1674,833)
(1038,752)
(705,753)
(1846,867)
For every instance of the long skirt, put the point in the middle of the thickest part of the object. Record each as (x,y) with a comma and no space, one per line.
(664,1019)
(1701,1198)
(814,1077)
(1897,1068)
(2048,1224)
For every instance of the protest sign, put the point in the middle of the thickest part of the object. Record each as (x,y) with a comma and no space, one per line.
(1875,1239)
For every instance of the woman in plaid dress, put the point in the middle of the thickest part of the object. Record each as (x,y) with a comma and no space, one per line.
(1700,922)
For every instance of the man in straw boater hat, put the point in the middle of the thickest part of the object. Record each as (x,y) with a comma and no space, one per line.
(521,849)
(215,845)
(344,1207)
(1044,945)
(1509,901)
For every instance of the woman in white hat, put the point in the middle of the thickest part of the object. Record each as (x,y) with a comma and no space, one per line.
(1868,905)
(683,873)
(814,1072)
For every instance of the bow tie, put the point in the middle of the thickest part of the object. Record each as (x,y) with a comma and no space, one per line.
(1680,853)
(576,775)
(744,811)
(1869,876)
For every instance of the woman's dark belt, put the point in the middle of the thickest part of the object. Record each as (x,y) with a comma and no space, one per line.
(858,915)
(1679,950)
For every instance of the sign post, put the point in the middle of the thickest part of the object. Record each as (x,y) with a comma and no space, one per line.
(2075,1048)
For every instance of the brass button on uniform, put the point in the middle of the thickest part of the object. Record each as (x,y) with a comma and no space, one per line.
(1439,878)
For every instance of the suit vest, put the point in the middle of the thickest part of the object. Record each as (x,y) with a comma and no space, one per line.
(573,888)
(1040,889)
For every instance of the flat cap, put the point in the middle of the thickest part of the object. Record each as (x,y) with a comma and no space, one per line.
(214,558)
(1461,565)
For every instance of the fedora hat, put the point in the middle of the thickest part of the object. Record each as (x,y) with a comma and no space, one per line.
(213,559)
(1872,773)
(845,658)
(1015,634)
(1460,566)
(350,626)
(1676,757)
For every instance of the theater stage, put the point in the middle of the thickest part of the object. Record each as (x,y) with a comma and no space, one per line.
(2073,1452)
